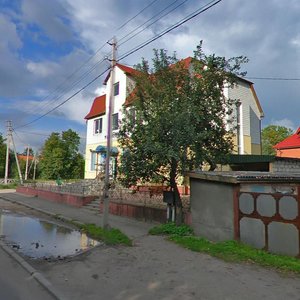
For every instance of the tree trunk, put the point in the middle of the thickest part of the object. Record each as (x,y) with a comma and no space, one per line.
(178,202)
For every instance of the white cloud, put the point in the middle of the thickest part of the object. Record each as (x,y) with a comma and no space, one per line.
(9,36)
(50,16)
(42,69)
(284,122)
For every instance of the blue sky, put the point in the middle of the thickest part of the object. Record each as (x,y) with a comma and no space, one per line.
(43,42)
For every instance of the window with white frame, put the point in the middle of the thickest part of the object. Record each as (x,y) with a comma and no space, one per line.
(98,126)
(115,121)
(116,88)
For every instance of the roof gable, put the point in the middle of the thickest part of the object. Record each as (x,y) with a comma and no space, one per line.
(127,70)
(98,107)
(290,142)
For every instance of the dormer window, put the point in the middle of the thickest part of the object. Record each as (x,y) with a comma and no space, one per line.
(98,126)
(116,89)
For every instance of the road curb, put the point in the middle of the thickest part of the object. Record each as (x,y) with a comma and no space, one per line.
(33,272)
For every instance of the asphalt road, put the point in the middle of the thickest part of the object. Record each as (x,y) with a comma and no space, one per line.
(18,284)
(153,268)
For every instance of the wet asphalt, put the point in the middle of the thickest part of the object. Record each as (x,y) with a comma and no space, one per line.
(153,268)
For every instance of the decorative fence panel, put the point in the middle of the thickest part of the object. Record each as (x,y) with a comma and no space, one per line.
(269,217)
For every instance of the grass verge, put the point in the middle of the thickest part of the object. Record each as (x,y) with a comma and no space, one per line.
(8,186)
(232,251)
(108,236)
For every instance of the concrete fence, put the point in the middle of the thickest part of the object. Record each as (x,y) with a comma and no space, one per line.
(259,209)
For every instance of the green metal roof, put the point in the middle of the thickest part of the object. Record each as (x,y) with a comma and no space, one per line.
(243,159)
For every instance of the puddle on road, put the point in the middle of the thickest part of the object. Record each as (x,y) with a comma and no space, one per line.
(41,239)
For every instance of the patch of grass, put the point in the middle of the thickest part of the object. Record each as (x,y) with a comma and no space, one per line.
(8,186)
(237,252)
(232,251)
(171,229)
(110,237)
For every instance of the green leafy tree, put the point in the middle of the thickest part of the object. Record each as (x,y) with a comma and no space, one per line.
(2,156)
(177,119)
(272,135)
(60,156)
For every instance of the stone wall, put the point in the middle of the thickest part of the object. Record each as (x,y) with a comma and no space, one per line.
(285,166)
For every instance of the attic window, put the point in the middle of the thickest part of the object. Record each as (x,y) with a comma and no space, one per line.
(116,89)
(98,126)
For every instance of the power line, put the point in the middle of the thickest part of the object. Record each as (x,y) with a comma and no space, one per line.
(169,29)
(57,89)
(138,27)
(274,78)
(34,133)
(74,84)
(44,134)
(62,103)
(136,15)
(18,137)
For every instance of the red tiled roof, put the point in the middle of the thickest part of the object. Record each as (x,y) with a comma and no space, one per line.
(186,62)
(98,107)
(129,99)
(24,157)
(290,142)
(125,69)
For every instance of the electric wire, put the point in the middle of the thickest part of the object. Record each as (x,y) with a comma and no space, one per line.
(74,84)
(62,84)
(169,29)
(68,88)
(44,134)
(57,89)
(34,133)
(138,47)
(19,137)
(123,25)
(273,78)
(138,27)
(63,102)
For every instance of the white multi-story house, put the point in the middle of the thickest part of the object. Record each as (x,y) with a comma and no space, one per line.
(248,114)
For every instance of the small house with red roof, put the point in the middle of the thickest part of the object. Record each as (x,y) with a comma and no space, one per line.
(290,147)
(248,114)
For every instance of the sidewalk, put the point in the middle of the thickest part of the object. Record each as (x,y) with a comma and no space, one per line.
(153,268)
(130,227)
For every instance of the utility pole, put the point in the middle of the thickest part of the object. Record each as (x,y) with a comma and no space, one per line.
(27,159)
(8,140)
(35,162)
(17,160)
(109,136)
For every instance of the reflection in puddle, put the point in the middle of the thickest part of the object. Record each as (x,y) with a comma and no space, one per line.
(38,238)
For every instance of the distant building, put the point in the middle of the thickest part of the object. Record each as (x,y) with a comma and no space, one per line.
(248,114)
(290,147)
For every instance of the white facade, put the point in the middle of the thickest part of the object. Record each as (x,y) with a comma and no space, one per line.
(94,139)
(250,118)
